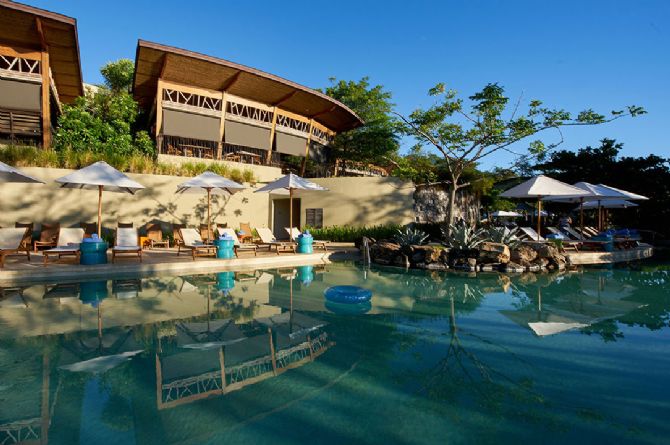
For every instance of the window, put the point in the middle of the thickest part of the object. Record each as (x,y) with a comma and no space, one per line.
(314,218)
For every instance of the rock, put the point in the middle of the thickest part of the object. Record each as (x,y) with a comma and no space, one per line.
(523,254)
(490,267)
(425,254)
(493,253)
(401,260)
(533,268)
(514,267)
(472,262)
(384,252)
(436,266)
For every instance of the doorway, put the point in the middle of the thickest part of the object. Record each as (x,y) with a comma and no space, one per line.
(281,217)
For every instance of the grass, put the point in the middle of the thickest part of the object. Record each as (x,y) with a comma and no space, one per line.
(136,163)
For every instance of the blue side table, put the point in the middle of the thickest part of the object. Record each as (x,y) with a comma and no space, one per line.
(93,251)
(225,247)
(305,241)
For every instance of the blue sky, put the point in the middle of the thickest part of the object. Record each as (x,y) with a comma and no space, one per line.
(570,54)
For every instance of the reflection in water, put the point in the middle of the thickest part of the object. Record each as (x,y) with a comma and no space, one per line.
(204,358)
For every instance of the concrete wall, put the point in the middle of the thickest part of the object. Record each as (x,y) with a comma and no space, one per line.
(350,201)
(263,173)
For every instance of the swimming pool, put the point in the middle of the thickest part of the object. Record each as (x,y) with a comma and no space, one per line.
(262,357)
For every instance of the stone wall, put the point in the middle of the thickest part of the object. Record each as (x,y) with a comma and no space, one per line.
(431,205)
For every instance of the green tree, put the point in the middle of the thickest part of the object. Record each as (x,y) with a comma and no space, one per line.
(465,135)
(119,75)
(378,138)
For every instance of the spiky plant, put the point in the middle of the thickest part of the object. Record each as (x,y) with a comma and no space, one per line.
(461,236)
(502,235)
(410,237)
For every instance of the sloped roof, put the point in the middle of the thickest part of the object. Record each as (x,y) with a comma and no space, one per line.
(154,60)
(18,28)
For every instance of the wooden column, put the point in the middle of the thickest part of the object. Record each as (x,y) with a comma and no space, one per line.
(268,159)
(159,115)
(222,364)
(222,125)
(307,144)
(46,107)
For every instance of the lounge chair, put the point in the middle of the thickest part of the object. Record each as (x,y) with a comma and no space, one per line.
(316,243)
(268,239)
(192,241)
(27,243)
(11,241)
(568,244)
(155,236)
(176,234)
(248,232)
(205,233)
(531,234)
(122,225)
(591,231)
(126,243)
(48,236)
(237,245)
(67,244)
(89,229)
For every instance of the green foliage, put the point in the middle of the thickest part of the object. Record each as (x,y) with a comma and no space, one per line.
(378,138)
(348,234)
(410,237)
(103,120)
(461,236)
(119,75)
(133,163)
(502,235)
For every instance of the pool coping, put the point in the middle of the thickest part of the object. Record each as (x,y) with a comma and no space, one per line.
(186,267)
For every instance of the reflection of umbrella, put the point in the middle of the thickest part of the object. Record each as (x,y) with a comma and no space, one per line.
(100,175)
(541,187)
(11,174)
(211,183)
(290,183)
(101,364)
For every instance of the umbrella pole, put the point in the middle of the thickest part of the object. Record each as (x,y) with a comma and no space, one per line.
(209,220)
(539,217)
(581,215)
(290,213)
(99,211)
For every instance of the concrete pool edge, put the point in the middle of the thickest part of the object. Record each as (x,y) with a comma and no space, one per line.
(79,272)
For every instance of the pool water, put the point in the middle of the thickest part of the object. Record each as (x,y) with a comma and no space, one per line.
(261,357)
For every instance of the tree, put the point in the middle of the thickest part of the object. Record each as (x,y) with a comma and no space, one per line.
(464,136)
(104,119)
(119,75)
(378,138)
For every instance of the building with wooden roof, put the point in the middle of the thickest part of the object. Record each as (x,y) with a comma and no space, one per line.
(206,107)
(39,70)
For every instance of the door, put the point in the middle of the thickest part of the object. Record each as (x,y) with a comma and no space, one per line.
(280,216)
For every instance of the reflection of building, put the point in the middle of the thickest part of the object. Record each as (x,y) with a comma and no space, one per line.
(39,70)
(205,107)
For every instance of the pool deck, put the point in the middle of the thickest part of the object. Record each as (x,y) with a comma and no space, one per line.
(585,258)
(161,261)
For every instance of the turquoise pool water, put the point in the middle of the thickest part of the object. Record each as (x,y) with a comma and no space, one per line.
(433,358)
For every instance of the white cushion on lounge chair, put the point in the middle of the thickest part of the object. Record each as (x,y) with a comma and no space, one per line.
(69,240)
(126,239)
(532,234)
(228,231)
(191,237)
(296,233)
(570,231)
(10,239)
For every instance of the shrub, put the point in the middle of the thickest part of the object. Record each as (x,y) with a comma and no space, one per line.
(502,235)
(348,234)
(461,236)
(410,237)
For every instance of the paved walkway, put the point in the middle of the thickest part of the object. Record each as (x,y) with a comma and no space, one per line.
(18,269)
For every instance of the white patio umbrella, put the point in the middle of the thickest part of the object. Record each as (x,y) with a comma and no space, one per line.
(625,194)
(11,174)
(101,176)
(291,183)
(611,204)
(541,187)
(212,184)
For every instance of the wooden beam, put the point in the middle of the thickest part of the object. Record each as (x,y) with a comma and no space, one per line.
(231,81)
(40,33)
(268,159)
(222,364)
(295,116)
(326,111)
(168,84)
(222,124)
(163,67)
(24,53)
(46,107)
(159,114)
(285,97)
(307,144)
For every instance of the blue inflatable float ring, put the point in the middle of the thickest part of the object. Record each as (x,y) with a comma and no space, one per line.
(347,294)
(349,308)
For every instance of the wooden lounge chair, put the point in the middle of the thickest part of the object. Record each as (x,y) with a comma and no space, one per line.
(531,234)
(67,244)
(316,243)
(176,234)
(122,225)
(206,234)
(268,239)
(237,246)
(568,244)
(126,243)
(11,241)
(155,236)
(48,236)
(248,234)
(89,228)
(591,231)
(193,242)
(27,243)
(573,233)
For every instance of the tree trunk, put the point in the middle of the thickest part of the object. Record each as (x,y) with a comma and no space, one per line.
(452,202)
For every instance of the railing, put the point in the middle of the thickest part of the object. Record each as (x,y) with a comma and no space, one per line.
(202,149)
(17,123)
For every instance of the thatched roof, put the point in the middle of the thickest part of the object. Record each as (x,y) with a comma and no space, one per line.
(154,60)
(19,29)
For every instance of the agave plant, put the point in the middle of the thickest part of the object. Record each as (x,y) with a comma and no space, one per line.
(410,237)
(502,235)
(463,237)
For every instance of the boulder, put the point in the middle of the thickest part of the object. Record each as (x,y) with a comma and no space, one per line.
(425,254)
(524,254)
(493,253)
(384,252)
(514,267)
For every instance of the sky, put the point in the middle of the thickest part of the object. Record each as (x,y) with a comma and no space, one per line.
(571,54)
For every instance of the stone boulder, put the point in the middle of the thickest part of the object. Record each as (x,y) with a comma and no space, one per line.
(425,254)
(384,252)
(493,253)
(524,255)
